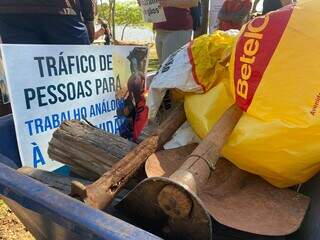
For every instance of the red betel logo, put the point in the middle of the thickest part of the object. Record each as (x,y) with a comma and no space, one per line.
(254,50)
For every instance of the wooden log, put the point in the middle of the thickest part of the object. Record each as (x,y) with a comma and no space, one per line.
(148,131)
(58,145)
(88,150)
(100,193)
(58,182)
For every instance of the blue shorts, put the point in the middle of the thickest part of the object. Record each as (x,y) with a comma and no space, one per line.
(42,29)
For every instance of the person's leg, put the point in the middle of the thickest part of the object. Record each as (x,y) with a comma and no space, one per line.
(172,41)
(19,29)
(59,29)
(175,40)
(159,44)
(107,40)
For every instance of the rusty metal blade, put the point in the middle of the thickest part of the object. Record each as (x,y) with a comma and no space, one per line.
(238,199)
(164,163)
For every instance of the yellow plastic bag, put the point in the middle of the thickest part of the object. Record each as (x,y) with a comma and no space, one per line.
(203,110)
(275,73)
(207,54)
(195,67)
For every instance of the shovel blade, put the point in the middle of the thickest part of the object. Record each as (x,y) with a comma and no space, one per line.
(238,199)
(247,202)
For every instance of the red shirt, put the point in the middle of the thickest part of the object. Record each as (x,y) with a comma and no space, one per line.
(233,7)
(141,119)
(177,19)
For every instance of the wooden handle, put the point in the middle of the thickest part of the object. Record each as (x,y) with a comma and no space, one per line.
(101,192)
(196,170)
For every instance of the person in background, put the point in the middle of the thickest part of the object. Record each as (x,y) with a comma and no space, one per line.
(104,30)
(215,7)
(233,14)
(47,22)
(176,31)
(272,5)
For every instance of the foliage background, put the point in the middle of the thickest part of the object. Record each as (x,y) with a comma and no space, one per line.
(122,14)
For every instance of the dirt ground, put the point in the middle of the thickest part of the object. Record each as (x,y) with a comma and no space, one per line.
(10,226)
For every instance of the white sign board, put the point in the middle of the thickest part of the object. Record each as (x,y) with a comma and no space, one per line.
(152,11)
(49,84)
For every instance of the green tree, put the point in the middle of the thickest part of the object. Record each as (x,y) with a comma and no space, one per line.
(105,12)
(128,14)
(125,14)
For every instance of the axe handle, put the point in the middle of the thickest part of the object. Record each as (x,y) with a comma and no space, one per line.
(100,193)
(208,151)
(196,170)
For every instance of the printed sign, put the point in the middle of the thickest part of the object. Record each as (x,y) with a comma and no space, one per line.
(152,11)
(255,47)
(49,84)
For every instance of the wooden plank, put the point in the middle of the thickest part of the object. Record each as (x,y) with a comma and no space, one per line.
(58,182)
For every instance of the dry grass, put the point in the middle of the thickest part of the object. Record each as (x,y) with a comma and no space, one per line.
(10,226)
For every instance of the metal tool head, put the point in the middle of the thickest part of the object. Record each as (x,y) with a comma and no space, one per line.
(164,163)
(142,203)
(241,200)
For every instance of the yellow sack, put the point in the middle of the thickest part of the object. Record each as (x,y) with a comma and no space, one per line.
(275,74)
(204,110)
(207,54)
(195,67)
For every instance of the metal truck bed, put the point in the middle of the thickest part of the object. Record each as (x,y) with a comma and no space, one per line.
(49,214)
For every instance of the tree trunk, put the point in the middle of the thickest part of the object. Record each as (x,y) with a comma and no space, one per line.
(113,21)
(110,14)
(124,28)
(88,150)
